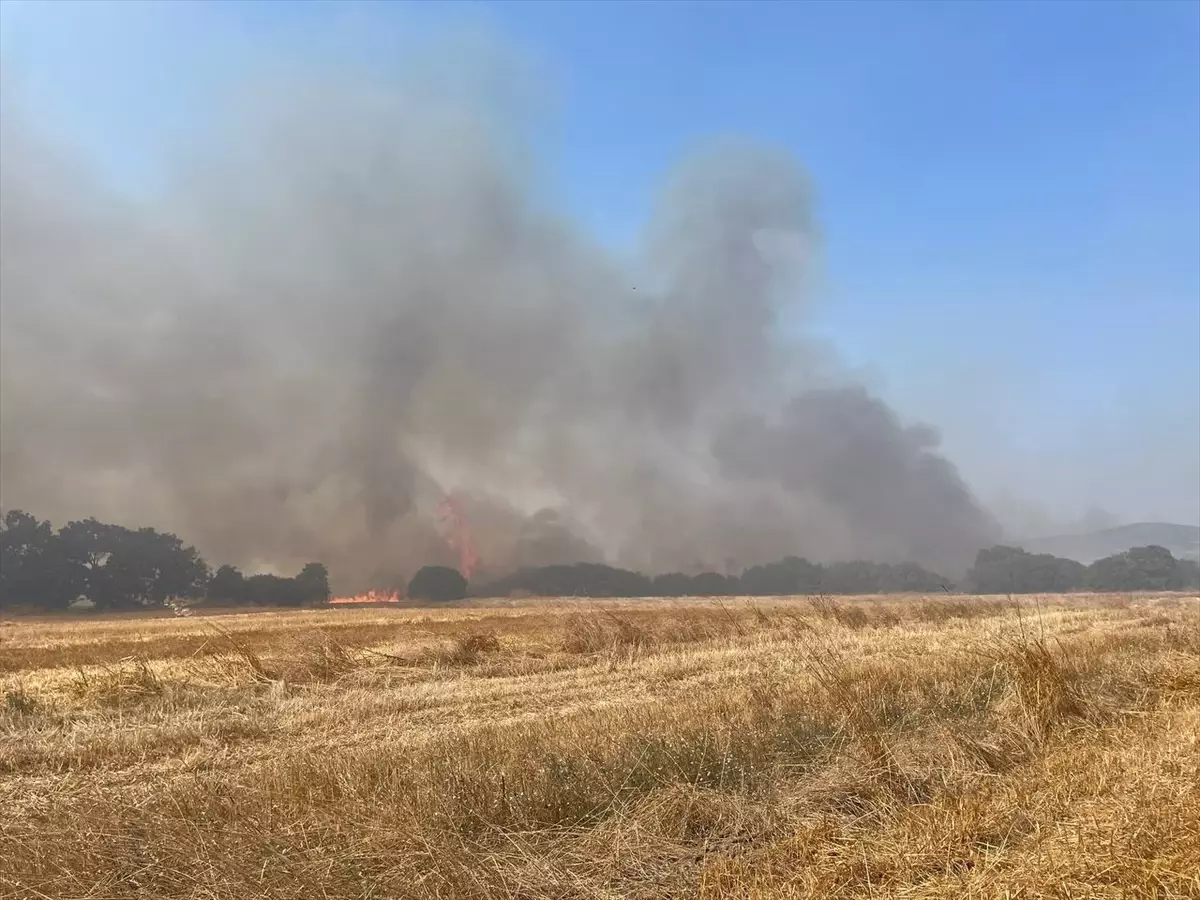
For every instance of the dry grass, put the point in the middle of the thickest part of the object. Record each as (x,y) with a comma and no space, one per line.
(880,747)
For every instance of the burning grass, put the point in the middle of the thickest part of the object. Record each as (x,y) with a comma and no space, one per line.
(922,748)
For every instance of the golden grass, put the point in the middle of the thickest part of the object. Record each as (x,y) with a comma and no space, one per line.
(882,747)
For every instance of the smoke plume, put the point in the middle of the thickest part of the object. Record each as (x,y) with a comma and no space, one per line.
(356,296)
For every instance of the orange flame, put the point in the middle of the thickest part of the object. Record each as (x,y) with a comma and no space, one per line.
(454,521)
(369,597)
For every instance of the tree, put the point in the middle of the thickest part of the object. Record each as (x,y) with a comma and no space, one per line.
(227,585)
(164,566)
(853,577)
(438,584)
(313,581)
(911,578)
(672,584)
(1011,570)
(1150,568)
(87,546)
(273,590)
(34,568)
(791,575)
(121,568)
(713,584)
(1189,574)
(1156,568)
(578,580)
(124,569)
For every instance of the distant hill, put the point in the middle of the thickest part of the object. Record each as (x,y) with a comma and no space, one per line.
(1182,540)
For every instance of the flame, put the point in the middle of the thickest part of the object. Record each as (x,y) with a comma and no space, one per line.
(370,597)
(458,535)
(454,521)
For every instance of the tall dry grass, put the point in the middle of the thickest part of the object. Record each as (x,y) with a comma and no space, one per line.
(798,748)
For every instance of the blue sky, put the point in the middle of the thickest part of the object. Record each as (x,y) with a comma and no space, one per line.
(1009,192)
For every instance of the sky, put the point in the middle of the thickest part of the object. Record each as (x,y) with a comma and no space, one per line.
(1008,193)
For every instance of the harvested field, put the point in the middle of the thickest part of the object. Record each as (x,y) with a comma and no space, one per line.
(796,748)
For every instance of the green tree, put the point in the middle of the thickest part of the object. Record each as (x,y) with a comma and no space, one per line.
(34,568)
(163,566)
(714,584)
(437,584)
(791,575)
(910,577)
(87,545)
(1151,568)
(578,580)
(852,577)
(314,583)
(125,569)
(1011,570)
(227,585)
(671,584)
(1189,574)
(273,590)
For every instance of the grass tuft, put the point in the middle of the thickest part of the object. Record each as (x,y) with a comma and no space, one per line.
(1050,692)
(128,682)
(19,703)
(464,650)
(602,632)
(844,614)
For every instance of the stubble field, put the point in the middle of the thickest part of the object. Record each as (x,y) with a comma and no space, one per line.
(804,747)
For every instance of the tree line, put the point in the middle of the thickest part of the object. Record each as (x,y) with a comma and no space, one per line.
(116,568)
(791,575)
(997,570)
(1011,570)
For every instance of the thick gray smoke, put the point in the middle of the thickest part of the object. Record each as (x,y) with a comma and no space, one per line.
(355,298)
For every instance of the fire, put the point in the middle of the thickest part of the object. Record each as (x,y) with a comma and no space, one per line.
(458,535)
(454,521)
(370,597)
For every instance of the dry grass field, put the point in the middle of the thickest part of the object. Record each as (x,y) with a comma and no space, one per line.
(917,748)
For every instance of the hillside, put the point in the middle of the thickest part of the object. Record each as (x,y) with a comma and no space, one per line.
(1182,540)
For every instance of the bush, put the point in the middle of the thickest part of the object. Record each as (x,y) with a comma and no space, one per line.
(438,584)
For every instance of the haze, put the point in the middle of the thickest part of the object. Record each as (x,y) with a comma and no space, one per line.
(361,260)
